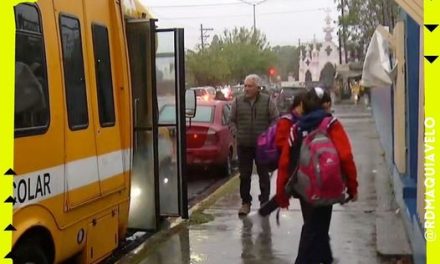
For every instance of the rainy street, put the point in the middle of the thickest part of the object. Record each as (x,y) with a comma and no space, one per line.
(229,239)
(127,118)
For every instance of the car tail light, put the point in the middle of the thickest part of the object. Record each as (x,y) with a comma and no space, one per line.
(211,137)
(196,139)
(196,136)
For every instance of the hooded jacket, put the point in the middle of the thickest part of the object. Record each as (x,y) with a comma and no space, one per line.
(342,144)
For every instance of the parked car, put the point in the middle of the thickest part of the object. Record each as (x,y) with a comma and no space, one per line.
(209,141)
(237,90)
(285,98)
(206,93)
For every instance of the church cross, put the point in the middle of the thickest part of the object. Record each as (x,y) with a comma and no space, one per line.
(328,50)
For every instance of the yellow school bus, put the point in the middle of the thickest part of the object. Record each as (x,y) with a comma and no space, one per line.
(76,112)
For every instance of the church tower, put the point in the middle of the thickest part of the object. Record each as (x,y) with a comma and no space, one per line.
(321,58)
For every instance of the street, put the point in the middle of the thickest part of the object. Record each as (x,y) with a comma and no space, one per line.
(228,239)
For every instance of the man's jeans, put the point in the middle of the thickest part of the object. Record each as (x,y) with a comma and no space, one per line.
(246,157)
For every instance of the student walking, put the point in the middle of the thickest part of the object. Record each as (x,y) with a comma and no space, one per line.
(314,246)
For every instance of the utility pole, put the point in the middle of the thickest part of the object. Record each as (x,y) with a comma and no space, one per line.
(343,32)
(255,21)
(340,44)
(299,58)
(254,5)
(203,36)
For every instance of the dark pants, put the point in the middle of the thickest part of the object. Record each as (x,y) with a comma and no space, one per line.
(314,245)
(246,157)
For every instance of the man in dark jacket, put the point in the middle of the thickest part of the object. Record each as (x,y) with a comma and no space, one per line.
(251,114)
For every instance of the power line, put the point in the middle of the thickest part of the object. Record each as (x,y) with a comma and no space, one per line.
(197,5)
(261,14)
(212,4)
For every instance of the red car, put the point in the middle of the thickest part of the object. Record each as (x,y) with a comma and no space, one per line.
(209,140)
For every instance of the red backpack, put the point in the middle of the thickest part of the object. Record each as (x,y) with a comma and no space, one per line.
(317,178)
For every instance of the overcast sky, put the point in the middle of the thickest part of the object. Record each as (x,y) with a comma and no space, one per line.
(283,21)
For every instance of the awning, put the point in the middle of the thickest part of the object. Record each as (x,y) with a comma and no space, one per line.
(414,8)
(346,71)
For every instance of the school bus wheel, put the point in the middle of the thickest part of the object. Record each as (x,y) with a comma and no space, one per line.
(35,247)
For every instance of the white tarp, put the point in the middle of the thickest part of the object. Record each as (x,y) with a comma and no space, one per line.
(377,71)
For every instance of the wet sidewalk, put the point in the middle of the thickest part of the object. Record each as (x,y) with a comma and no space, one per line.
(229,239)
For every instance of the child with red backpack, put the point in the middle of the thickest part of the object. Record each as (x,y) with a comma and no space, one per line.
(284,124)
(314,246)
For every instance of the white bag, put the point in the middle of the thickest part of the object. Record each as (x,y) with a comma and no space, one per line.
(377,71)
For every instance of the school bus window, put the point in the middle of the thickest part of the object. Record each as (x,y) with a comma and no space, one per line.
(27,18)
(104,82)
(74,79)
(31,92)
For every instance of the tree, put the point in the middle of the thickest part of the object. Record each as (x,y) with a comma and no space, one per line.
(230,57)
(207,67)
(287,61)
(361,17)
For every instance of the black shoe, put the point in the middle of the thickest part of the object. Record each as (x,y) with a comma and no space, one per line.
(268,207)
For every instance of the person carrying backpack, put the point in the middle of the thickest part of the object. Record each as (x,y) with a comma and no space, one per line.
(251,114)
(282,131)
(284,124)
(270,143)
(314,246)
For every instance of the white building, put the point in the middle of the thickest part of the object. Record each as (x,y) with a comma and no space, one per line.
(315,61)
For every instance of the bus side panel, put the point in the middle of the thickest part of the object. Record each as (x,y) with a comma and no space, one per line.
(125,113)
(81,168)
(106,80)
(35,154)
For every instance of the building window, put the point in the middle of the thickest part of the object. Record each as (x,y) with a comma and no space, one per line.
(32,113)
(74,79)
(103,69)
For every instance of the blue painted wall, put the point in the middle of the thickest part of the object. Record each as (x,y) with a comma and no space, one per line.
(412,80)
(381,105)
(412,39)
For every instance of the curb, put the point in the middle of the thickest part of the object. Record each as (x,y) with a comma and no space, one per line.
(175,225)
(391,237)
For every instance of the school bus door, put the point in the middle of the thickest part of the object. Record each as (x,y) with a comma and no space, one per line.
(144,206)
(81,163)
(101,40)
(157,185)
(170,89)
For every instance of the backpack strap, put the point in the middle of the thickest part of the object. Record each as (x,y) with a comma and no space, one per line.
(287,116)
(295,142)
(326,123)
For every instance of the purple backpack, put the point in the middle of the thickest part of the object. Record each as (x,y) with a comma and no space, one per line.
(319,179)
(267,151)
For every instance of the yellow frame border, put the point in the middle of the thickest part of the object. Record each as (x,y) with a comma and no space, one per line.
(432,114)
(7,68)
